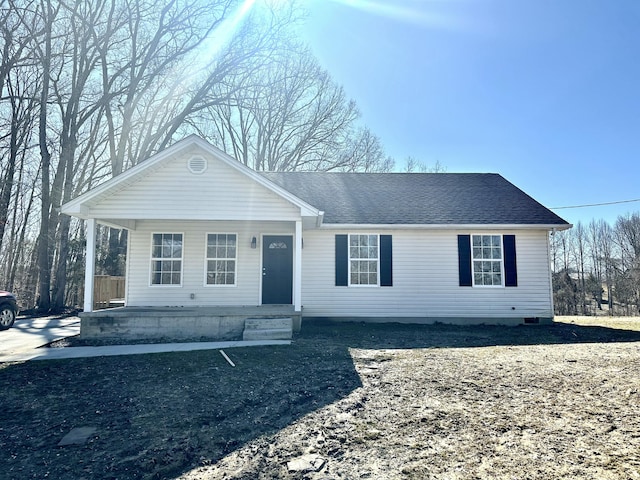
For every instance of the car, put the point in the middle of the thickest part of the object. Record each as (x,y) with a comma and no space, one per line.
(8,309)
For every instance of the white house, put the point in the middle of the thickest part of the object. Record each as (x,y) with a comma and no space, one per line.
(205,231)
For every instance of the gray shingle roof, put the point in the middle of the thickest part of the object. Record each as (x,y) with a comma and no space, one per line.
(416,198)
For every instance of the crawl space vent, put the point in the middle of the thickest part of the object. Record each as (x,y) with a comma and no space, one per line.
(197,165)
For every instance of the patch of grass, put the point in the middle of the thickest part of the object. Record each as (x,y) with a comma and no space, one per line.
(620,323)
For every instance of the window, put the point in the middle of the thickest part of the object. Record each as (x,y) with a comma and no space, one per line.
(221,258)
(487,260)
(363,259)
(483,260)
(166,259)
(343,257)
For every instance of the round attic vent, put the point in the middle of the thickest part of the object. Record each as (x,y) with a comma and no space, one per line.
(197,165)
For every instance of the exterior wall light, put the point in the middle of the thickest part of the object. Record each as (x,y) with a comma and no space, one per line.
(254,242)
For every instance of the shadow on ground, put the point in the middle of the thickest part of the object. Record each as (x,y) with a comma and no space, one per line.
(161,415)
(395,335)
(158,416)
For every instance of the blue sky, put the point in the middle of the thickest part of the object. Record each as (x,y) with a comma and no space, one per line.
(544,92)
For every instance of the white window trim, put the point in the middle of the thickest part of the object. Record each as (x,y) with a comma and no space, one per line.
(152,259)
(206,259)
(359,285)
(473,272)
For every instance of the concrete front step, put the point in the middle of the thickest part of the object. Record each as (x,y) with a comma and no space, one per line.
(271,334)
(264,323)
(268,329)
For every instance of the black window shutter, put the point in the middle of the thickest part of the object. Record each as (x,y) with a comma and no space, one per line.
(510,270)
(464,260)
(342,260)
(386,261)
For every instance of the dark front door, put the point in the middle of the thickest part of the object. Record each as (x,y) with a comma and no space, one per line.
(277,269)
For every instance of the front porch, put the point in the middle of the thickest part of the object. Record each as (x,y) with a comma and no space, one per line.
(180,323)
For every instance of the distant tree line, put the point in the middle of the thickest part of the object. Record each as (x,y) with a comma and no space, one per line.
(596,268)
(90,88)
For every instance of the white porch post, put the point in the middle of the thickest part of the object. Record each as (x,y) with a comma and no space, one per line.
(90,264)
(297,286)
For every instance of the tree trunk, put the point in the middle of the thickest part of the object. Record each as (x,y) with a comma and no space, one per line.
(44,240)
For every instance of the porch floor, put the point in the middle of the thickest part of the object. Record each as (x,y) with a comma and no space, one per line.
(259,310)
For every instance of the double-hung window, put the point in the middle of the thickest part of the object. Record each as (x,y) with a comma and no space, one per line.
(221,259)
(166,259)
(487,260)
(363,259)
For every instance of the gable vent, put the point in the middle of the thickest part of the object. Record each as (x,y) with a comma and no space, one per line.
(197,165)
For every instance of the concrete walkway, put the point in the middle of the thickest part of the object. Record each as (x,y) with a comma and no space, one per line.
(28,333)
(44,353)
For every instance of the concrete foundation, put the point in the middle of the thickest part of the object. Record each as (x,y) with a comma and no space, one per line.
(178,323)
(507,321)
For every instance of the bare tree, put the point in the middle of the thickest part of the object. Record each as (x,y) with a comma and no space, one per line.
(18,113)
(627,285)
(579,245)
(412,164)
(17,109)
(602,253)
(288,114)
(598,259)
(91,88)
(565,291)
(363,152)
(112,76)
(44,56)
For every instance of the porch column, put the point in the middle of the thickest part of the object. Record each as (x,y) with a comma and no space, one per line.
(90,264)
(297,269)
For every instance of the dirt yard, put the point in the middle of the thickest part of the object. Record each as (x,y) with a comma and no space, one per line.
(343,402)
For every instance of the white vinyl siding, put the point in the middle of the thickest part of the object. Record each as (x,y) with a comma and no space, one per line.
(248,274)
(219,193)
(425,280)
(425,275)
